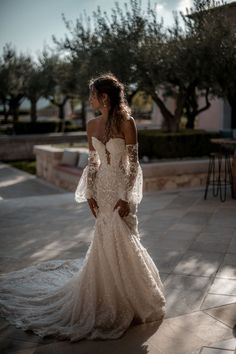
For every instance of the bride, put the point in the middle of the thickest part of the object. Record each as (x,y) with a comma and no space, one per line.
(117,283)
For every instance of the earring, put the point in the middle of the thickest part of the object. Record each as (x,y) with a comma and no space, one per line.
(104,104)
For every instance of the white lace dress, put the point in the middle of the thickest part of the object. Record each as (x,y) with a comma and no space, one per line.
(115,284)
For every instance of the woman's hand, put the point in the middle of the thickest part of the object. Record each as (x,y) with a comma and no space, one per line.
(124,208)
(93,206)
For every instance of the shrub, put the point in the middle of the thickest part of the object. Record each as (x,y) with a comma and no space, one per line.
(156,144)
(43,127)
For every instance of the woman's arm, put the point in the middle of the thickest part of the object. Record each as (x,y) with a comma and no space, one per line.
(133,188)
(93,164)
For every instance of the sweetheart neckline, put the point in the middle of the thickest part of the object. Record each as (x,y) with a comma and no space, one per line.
(108,140)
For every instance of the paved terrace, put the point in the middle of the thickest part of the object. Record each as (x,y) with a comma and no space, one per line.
(192,241)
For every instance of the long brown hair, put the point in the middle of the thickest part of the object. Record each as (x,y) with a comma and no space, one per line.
(119,109)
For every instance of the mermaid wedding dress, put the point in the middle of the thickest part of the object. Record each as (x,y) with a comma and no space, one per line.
(116,283)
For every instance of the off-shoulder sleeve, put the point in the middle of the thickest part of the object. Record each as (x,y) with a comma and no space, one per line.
(133,189)
(87,184)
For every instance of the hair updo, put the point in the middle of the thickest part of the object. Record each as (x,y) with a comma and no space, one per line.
(119,109)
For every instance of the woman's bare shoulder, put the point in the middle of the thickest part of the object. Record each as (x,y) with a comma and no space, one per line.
(129,123)
(91,124)
(130,129)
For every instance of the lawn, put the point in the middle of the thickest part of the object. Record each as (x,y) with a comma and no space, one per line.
(25,165)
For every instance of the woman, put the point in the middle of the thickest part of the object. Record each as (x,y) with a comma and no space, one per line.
(117,284)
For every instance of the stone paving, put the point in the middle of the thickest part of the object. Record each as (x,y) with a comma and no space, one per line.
(192,242)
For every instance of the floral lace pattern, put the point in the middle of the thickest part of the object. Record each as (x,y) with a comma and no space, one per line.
(117,282)
(133,176)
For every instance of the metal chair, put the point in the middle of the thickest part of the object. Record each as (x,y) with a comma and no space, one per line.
(219,174)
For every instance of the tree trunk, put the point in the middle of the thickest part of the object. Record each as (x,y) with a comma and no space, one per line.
(6,111)
(33,109)
(168,117)
(14,109)
(232,102)
(192,106)
(61,115)
(190,120)
(83,115)
(171,121)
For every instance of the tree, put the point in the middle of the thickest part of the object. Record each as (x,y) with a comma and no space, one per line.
(58,83)
(209,22)
(109,46)
(34,88)
(13,70)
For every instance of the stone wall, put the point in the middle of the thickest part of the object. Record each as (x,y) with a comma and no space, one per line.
(157,176)
(176,174)
(21,147)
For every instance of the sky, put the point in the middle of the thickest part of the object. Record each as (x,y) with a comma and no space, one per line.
(29,24)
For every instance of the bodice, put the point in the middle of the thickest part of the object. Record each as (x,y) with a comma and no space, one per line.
(111,153)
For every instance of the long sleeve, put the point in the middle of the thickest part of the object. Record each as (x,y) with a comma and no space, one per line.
(87,184)
(133,189)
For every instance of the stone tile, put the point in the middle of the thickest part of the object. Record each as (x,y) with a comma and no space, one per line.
(7,345)
(155,201)
(225,314)
(10,264)
(165,259)
(232,245)
(214,300)
(204,207)
(207,350)
(181,235)
(199,263)
(184,294)
(182,201)
(188,333)
(133,341)
(217,245)
(223,286)
(225,217)
(228,267)
(10,331)
(156,224)
(180,226)
(174,244)
(28,187)
(229,344)
(224,236)
(220,229)
(171,212)
(196,218)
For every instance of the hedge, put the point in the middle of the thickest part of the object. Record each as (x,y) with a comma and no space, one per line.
(43,127)
(156,144)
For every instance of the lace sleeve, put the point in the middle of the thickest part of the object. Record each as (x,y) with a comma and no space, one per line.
(87,184)
(133,191)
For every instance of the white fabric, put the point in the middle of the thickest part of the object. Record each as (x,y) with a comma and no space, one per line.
(124,168)
(117,281)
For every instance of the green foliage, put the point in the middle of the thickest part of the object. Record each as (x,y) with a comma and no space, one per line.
(25,165)
(156,144)
(183,62)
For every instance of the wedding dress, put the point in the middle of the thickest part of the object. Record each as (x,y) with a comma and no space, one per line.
(116,283)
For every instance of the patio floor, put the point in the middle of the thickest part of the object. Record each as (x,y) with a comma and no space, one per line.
(192,242)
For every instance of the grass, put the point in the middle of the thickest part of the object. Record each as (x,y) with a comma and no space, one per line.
(25,165)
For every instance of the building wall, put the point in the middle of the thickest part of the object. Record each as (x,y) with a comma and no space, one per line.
(216,118)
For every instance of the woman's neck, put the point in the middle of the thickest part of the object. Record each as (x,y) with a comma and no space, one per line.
(104,115)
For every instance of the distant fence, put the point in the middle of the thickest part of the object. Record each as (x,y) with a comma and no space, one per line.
(21,147)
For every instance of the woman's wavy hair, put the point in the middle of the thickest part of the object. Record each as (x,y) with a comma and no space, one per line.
(119,109)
